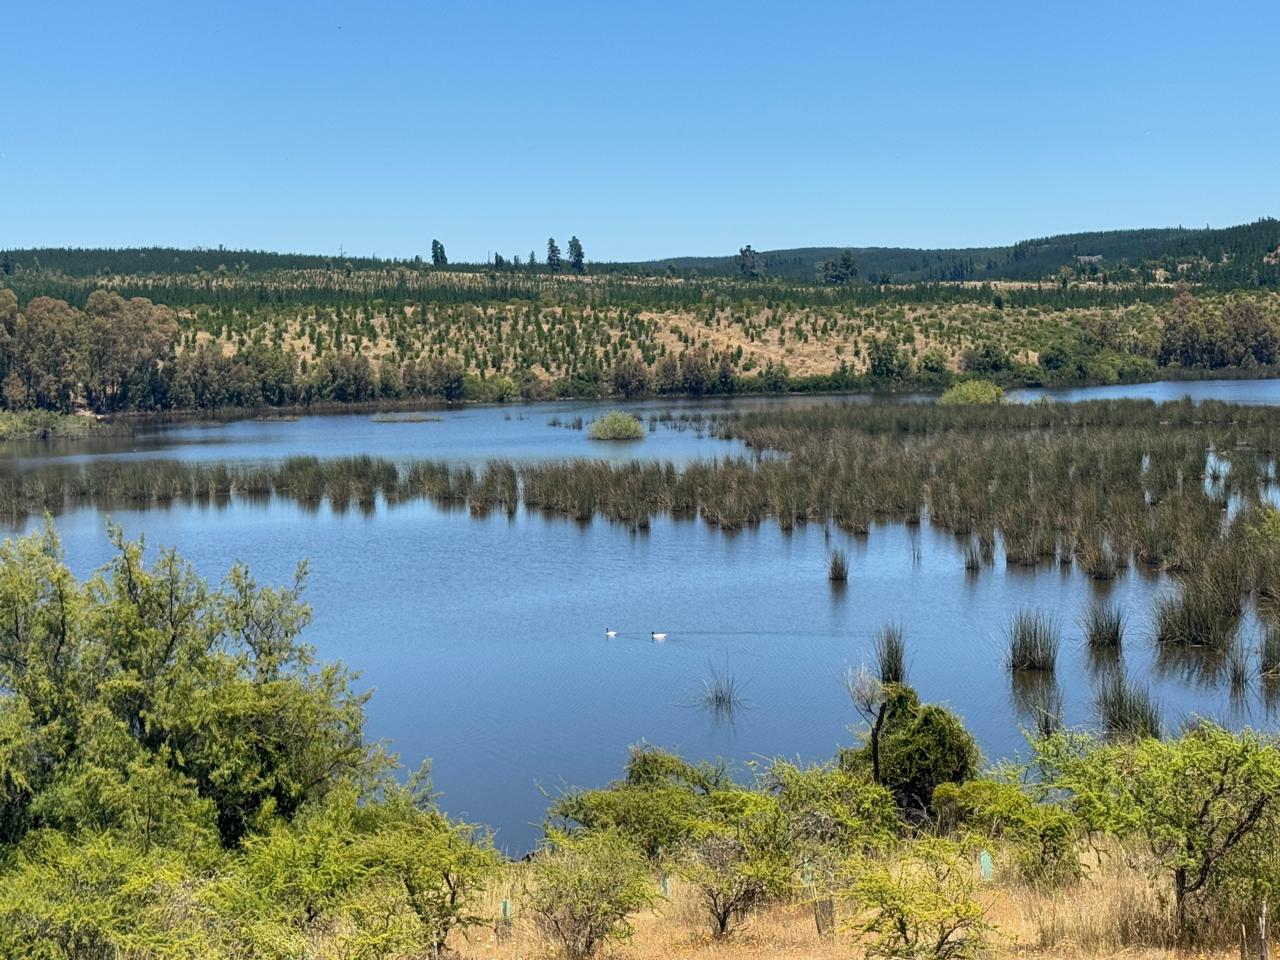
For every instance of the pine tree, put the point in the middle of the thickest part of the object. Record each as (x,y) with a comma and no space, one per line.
(575,255)
(748,262)
(553,255)
(438,258)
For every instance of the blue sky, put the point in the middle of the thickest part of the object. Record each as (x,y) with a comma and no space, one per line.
(648,129)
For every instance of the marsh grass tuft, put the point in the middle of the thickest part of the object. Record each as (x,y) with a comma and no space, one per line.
(1033,639)
(721,692)
(1103,626)
(838,567)
(890,648)
(1200,616)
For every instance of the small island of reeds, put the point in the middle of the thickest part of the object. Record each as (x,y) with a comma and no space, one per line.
(616,425)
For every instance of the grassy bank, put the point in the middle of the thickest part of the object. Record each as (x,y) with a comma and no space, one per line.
(47,425)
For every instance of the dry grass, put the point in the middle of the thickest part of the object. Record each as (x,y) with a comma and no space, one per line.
(1115,912)
(808,340)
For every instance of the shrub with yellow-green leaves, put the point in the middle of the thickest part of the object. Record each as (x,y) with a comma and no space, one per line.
(583,888)
(918,900)
(1044,836)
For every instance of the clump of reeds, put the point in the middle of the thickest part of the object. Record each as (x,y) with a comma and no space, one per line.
(615,425)
(891,654)
(838,567)
(1103,626)
(1198,617)
(1097,559)
(721,692)
(1126,710)
(1033,640)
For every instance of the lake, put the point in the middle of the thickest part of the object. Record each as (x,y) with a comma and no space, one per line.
(484,638)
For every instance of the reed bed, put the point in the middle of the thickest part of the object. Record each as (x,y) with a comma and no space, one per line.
(1103,484)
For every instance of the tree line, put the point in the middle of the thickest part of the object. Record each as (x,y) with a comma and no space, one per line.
(114,354)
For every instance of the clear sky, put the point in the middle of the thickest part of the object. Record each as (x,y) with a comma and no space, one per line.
(648,129)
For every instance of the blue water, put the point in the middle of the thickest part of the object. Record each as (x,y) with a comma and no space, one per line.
(484,639)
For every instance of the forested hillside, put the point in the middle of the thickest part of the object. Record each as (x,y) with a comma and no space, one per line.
(1233,256)
(1247,255)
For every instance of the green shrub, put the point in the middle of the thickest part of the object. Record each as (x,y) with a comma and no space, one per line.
(739,856)
(582,890)
(832,810)
(920,902)
(1044,835)
(616,425)
(93,896)
(921,745)
(654,806)
(1206,804)
(971,392)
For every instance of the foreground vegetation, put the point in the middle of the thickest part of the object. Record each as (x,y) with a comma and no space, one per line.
(181,779)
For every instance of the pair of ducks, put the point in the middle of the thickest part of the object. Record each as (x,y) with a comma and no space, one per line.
(652,636)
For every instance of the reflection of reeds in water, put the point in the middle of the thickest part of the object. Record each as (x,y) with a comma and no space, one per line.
(1126,710)
(1238,673)
(1038,700)
(1269,653)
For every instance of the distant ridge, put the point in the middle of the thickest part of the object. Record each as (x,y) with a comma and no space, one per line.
(1244,251)
(1244,255)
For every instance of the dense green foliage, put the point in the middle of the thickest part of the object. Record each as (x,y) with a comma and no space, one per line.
(616,425)
(164,331)
(972,391)
(178,778)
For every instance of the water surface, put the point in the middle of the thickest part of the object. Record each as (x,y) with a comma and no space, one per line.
(484,639)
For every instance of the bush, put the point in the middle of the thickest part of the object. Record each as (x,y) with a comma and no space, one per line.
(738,857)
(921,745)
(971,392)
(1207,805)
(919,903)
(653,807)
(616,425)
(1044,835)
(832,814)
(583,888)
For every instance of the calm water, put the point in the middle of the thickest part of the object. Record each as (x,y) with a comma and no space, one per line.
(485,638)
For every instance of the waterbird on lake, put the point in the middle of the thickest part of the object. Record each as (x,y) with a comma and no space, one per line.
(657,636)
(610,633)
